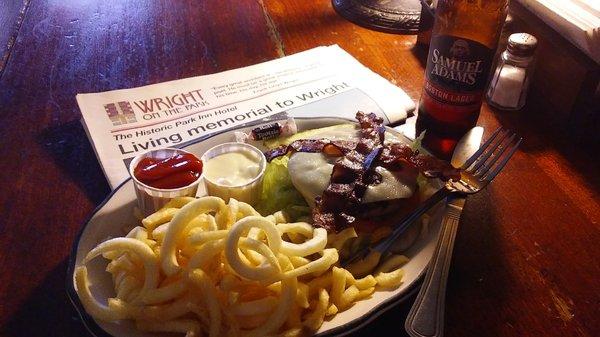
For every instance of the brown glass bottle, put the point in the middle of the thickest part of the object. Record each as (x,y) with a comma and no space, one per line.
(464,39)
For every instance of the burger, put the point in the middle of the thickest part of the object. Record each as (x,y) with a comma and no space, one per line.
(358,175)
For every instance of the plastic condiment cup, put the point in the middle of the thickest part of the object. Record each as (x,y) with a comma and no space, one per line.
(151,199)
(248,192)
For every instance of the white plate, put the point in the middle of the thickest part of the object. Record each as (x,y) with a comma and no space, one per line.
(114,217)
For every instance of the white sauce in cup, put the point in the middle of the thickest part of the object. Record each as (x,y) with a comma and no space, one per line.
(234,170)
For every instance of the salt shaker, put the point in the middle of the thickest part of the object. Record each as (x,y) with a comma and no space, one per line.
(508,87)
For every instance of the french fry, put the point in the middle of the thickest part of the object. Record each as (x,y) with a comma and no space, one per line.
(201,237)
(331,310)
(121,263)
(338,285)
(256,234)
(137,232)
(391,263)
(302,228)
(348,297)
(315,319)
(295,237)
(362,283)
(279,315)
(158,218)
(299,261)
(365,282)
(127,286)
(338,240)
(315,244)
(255,307)
(252,291)
(318,283)
(166,293)
(362,294)
(158,233)
(350,280)
(245,210)
(302,296)
(91,305)
(244,225)
(178,202)
(204,283)
(330,256)
(118,278)
(161,312)
(390,280)
(279,217)
(205,253)
(363,267)
(202,221)
(179,222)
(266,271)
(140,249)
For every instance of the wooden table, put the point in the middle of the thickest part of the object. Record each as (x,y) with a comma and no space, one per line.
(527,254)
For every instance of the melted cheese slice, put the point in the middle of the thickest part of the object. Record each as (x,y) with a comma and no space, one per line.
(310,172)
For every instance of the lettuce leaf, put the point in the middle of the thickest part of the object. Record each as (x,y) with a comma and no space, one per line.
(278,192)
(417,144)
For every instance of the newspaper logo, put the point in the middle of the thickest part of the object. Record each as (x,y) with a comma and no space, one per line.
(120,113)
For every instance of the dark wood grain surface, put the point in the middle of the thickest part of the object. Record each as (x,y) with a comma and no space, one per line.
(527,254)
(11,17)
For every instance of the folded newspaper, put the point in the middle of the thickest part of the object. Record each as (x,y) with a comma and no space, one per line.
(320,82)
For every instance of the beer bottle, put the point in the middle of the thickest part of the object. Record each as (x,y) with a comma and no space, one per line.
(464,39)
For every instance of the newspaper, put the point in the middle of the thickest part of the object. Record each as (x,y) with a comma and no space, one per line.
(320,82)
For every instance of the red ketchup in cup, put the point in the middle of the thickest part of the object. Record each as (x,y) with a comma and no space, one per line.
(179,170)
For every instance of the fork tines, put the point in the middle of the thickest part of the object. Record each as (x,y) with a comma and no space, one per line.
(493,155)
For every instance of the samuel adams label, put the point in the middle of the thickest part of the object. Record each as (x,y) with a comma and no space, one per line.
(464,39)
(455,77)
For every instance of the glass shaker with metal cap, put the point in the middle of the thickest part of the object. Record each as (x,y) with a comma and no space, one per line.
(508,87)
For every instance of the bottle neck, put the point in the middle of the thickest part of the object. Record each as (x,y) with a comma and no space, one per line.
(479,21)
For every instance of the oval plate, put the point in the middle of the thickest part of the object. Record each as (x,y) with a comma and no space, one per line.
(114,217)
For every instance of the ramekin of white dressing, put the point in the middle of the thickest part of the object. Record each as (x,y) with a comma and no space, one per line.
(234,170)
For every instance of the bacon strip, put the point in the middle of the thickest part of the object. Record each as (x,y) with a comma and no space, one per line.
(395,156)
(331,147)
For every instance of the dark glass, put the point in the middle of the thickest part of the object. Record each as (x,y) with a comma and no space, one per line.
(464,39)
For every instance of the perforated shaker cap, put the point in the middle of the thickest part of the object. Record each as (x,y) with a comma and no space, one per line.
(522,44)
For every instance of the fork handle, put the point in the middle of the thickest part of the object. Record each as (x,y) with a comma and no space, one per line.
(426,317)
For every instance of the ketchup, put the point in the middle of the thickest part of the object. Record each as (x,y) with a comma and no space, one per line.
(176,171)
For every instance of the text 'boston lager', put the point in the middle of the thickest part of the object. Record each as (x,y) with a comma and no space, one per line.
(464,39)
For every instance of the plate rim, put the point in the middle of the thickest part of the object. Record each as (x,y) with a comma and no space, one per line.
(94,328)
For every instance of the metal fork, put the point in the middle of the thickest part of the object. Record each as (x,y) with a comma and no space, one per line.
(426,317)
(478,171)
